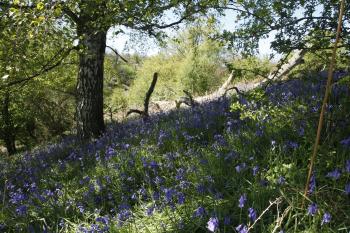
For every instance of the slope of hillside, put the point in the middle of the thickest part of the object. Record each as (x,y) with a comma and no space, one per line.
(235,164)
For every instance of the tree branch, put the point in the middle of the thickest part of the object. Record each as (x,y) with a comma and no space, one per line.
(116,53)
(145,113)
(46,68)
(149,92)
(73,16)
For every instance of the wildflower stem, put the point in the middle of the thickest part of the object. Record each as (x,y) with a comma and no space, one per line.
(275,202)
(3,200)
(325,100)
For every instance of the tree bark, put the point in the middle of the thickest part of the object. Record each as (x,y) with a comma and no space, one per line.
(90,122)
(9,129)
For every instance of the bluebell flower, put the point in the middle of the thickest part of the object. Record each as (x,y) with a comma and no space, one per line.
(227,221)
(312,185)
(347,166)
(242,228)
(21,210)
(153,165)
(326,218)
(281,180)
(312,209)
(124,214)
(345,142)
(103,219)
(242,200)
(149,210)
(156,196)
(292,145)
(199,212)
(301,131)
(335,175)
(213,224)
(252,214)
(201,189)
(169,193)
(264,182)
(81,208)
(180,198)
(61,223)
(347,189)
(180,174)
(17,197)
(110,152)
(255,170)
(240,167)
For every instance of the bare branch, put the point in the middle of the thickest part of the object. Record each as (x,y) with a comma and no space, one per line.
(145,113)
(116,53)
(149,92)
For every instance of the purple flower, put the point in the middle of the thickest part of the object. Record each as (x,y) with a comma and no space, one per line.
(326,218)
(252,214)
(21,210)
(242,228)
(347,189)
(169,193)
(292,145)
(104,220)
(346,142)
(180,198)
(110,152)
(301,131)
(227,220)
(81,208)
(242,200)
(240,167)
(124,215)
(213,224)
(153,165)
(334,174)
(281,180)
(312,209)
(201,189)
(150,210)
(347,166)
(156,196)
(17,197)
(312,185)
(199,212)
(255,170)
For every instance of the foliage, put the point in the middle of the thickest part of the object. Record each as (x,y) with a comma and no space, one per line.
(249,68)
(41,105)
(181,171)
(191,61)
(294,24)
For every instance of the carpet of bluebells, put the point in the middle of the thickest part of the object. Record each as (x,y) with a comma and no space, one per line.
(237,164)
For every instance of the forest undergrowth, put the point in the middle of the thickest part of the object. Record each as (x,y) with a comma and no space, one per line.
(237,164)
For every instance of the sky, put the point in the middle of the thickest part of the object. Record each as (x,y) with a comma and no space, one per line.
(121,41)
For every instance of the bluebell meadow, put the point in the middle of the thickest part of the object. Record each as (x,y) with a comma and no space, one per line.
(215,167)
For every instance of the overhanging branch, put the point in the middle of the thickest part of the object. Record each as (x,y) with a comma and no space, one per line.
(46,68)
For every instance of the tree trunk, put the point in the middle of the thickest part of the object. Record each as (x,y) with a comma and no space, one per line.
(9,129)
(90,122)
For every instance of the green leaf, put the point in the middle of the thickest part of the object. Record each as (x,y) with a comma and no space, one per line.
(40,6)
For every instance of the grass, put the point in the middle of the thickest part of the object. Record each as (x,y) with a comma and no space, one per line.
(178,171)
